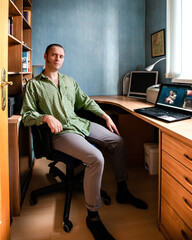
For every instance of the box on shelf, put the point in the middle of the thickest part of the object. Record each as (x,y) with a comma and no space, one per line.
(151,157)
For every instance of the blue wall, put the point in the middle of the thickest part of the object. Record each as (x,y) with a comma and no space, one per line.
(103,39)
(155,20)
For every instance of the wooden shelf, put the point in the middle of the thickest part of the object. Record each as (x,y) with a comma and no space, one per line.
(25,73)
(13,10)
(26,24)
(13,40)
(26,48)
(20,41)
(14,73)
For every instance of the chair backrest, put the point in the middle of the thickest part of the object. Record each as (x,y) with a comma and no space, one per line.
(42,138)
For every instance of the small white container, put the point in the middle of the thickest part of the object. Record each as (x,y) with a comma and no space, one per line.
(151,157)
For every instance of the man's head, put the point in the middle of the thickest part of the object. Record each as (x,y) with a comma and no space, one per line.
(54,57)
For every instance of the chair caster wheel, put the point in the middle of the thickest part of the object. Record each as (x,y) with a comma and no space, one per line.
(33,201)
(67,226)
(106,198)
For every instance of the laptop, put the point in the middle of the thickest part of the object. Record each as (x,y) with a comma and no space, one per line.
(174,103)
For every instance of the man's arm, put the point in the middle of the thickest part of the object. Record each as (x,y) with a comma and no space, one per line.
(31,115)
(54,124)
(29,111)
(83,101)
(110,124)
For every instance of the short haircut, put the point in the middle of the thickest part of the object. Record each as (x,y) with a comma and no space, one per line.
(53,45)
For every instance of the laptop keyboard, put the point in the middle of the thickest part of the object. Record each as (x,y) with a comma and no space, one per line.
(159,112)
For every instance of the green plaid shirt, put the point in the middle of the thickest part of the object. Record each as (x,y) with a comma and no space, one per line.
(43,97)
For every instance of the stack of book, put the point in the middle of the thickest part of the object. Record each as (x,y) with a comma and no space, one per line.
(27,16)
(26,61)
(10,26)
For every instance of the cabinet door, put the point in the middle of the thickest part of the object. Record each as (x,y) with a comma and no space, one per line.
(4,170)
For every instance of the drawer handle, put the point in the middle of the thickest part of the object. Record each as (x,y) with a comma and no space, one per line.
(188,181)
(184,234)
(187,204)
(188,158)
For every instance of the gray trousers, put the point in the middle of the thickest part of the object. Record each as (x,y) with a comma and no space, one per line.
(82,149)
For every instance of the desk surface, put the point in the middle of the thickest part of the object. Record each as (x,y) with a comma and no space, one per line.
(181,129)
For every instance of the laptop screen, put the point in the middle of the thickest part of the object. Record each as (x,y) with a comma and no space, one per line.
(175,96)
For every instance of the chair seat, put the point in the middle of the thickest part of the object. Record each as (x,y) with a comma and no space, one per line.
(71,162)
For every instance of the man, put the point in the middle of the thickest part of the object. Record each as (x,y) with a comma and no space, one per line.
(52,98)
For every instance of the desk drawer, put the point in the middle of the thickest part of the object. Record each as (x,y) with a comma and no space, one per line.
(181,173)
(178,197)
(178,150)
(173,224)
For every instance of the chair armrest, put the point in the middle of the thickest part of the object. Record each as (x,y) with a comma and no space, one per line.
(42,141)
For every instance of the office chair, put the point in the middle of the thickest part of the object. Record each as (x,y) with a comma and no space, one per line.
(42,148)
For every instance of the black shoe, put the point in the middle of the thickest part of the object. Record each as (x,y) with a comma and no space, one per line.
(98,229)
(127,197)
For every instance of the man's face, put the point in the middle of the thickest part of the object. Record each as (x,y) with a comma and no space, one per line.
(55,58)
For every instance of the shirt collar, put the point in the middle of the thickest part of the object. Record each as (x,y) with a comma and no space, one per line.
(41,75)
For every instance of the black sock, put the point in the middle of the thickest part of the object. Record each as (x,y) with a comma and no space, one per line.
(92,214)
(124,196)
(98,229)
(121,186)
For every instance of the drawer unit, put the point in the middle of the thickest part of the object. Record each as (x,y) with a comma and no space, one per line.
(181,173)
(178,197)
(178,230)
(176,188)
(177,149)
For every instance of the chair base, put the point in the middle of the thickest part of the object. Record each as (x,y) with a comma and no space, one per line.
(68,184)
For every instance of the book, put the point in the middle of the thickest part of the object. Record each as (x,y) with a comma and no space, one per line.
(29,60)
(27,16)
(10,25)
(25,61)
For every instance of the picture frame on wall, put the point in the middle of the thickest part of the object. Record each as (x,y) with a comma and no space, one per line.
(158,43)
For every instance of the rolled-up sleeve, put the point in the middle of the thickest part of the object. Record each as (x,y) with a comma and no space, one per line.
(29,111)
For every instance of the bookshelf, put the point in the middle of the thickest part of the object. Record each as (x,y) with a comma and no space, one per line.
(19,44)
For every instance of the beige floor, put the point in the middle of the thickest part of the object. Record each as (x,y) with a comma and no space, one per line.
(125,222)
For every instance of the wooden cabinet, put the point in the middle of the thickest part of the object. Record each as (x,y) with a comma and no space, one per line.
(20,162)
(176,188)
(19,44)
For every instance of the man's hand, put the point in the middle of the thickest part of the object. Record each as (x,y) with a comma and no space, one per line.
(110,124)
(54,124)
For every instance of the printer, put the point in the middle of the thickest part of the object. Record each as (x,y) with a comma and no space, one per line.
(152,93)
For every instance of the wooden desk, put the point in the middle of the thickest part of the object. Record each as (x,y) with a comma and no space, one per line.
(175,167)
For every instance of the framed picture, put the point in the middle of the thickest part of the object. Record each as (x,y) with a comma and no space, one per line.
(37,69)
(158,43)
